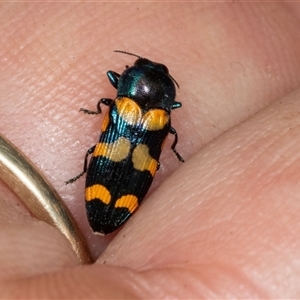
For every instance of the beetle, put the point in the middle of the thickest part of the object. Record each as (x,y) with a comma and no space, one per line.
(126,157)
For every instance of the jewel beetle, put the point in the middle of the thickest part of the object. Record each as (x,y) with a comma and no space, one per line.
(126,157)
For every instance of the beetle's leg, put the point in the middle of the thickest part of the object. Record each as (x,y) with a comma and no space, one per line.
(173,131)
(90,151)
(105,101)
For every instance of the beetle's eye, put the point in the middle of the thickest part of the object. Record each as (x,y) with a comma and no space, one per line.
(164,69)
(141,62)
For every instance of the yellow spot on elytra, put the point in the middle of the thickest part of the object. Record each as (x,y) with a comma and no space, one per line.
(155,119)
(128,110)
(97,191)
(116,151)
(105,122)
(142,160)
(128,201)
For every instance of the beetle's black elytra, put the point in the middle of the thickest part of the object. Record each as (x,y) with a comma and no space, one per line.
(126,158)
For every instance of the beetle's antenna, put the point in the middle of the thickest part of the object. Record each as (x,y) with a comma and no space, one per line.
(174,81)
(124,52)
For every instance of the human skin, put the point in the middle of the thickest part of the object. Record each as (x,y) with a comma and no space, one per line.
(225,224)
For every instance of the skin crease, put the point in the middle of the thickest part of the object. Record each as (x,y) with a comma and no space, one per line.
(225,224)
